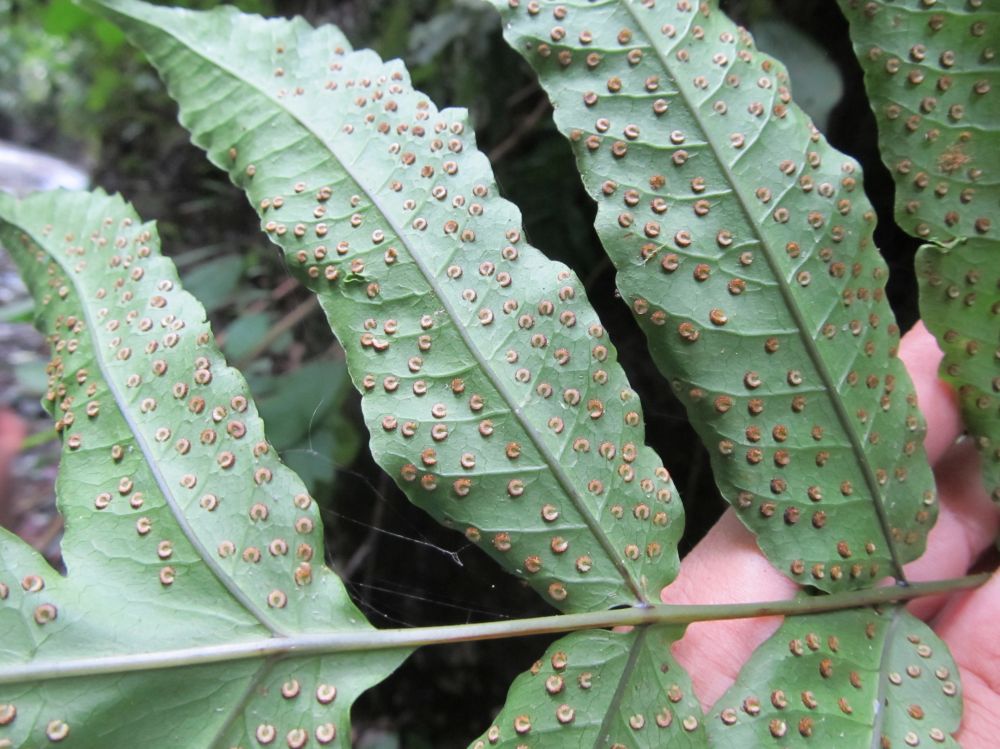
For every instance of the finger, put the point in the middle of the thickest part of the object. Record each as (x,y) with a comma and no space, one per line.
(728,567)
(967,521)
(966,526)
(12,431)
(920,352)
(968,625)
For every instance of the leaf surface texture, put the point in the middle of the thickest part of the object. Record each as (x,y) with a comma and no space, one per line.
(183,529)
(853,678)
(490,388)
(743,244)
(933,78)
(602,689)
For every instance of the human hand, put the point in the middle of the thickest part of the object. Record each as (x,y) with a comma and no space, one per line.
(728,562)
(12,433)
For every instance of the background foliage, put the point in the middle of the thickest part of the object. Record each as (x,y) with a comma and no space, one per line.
(70,85)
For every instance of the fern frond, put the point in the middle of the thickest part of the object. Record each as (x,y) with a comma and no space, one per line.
(185,535)
(851,678)
(933,80)
(602,689)
(491,390)
(743,244)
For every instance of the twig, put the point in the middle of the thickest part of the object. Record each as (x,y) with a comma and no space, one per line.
(524,126)
(368,545)
(355,640)
(596,272)
(278,293)
(522,94)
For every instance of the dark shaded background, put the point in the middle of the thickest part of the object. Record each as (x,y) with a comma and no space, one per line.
(71,86)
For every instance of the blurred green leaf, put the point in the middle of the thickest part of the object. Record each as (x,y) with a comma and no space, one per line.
(106,84)
(313,460)
(19,311)
(428,39)
(243,334)
(394,28)
(306,423)
(303,398)
(213,283)
(816,81)
(30,377)
(65,18)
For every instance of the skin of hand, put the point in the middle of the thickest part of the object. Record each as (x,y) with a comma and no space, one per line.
(728,562)
(12,433)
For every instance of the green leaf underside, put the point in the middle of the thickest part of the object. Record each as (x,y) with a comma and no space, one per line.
(182,526)
(960,302)
(934,81)
(602,689)
(859,678)
(743,245)
(491,391)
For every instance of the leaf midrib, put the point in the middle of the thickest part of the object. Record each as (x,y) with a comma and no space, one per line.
(623,682)
(121,403)
(562,477)
(881,696)
(303,644)
(238,708)
(787,297)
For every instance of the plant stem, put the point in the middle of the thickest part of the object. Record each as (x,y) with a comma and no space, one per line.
(300,645)
(39,438)
(524,126)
